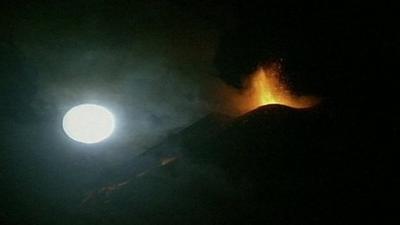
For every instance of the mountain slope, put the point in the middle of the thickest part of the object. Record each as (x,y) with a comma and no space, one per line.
(273,165)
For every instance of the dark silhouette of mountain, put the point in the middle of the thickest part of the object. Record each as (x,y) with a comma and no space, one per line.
(273,165)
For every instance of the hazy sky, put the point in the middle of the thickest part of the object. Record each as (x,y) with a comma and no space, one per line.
(149,62)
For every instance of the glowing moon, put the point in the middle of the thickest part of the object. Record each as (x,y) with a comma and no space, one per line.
(88,123)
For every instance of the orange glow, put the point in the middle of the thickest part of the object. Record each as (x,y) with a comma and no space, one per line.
(263,87)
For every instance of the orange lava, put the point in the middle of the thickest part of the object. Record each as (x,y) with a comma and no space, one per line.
(264,87)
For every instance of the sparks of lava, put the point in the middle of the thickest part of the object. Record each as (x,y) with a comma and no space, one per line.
(264,87)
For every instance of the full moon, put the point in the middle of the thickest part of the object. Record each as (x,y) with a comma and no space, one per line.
(88,123)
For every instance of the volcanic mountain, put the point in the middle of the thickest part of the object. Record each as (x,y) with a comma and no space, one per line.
(273,165)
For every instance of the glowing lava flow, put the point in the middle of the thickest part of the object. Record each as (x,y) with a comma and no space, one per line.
(264,87)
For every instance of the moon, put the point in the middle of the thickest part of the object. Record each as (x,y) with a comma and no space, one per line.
(88,123)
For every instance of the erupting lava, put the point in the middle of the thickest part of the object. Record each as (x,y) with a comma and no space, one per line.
(264,87)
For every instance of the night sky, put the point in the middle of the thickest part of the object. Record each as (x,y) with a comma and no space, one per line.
(156,65)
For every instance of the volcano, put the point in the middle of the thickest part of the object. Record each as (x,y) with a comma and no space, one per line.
(274,165)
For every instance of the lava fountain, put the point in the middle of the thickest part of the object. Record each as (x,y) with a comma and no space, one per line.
(264,87)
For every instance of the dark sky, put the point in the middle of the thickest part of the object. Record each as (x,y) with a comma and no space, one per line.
(153,63)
